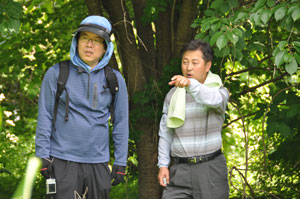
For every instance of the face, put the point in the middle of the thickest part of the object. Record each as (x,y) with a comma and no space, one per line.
(90,48)
(194,66)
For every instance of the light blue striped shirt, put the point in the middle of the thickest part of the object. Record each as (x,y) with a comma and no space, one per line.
(201,132)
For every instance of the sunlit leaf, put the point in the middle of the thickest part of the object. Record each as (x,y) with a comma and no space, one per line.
(280,13)
(279,58)
(292,67)
(222,41)
(232,37)
(215,37)
(296,14)
(265,16)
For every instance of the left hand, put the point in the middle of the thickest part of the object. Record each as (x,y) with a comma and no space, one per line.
(179,81)
(117,174)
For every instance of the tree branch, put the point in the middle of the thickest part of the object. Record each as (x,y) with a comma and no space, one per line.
(262,84)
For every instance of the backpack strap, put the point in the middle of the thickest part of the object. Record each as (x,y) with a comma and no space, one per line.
(61,83)
(113,85)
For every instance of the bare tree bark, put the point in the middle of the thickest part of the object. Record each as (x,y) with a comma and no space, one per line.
(145,37)
(184,32)
(93,6)
(131,62)
(163,39)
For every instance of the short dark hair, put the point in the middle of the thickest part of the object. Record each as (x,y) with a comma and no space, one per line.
(203,46)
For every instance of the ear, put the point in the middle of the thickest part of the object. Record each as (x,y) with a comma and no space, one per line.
(207,66)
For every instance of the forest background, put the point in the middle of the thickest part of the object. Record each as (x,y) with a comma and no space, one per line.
(257,55)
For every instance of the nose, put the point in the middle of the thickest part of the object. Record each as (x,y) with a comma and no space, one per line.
(189,67)
(90,42)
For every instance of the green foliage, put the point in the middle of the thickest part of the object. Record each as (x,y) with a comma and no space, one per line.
(11,12)
(126,190)
(256,46)
(44,37)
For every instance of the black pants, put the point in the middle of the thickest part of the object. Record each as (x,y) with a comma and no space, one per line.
(80,180)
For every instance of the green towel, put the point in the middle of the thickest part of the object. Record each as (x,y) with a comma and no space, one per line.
(213,80)
(176,111)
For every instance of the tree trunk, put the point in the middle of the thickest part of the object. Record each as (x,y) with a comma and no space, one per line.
(129,55)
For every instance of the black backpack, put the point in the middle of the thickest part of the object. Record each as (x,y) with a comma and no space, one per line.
(112,83)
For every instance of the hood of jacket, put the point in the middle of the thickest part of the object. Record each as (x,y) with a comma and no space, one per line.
(103,30)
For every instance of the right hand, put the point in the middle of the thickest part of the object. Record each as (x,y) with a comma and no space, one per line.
(46,169)
(163,173)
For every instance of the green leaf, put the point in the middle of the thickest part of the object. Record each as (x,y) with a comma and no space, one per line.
(225,51)
(297,56)
(259,4)
(232,37)
(284,129)
(282,44)
(238,32)
(270,3)
(13,25)
(222,41)
(256,18)
(200,35)
(279,58)
(242,16)
(215,26)
(296,43)
(296,14)
(280,13)
(292,67)
(233,3)
(217,4)
(291,9)
(293,110)
(214,38)
(297,49)
(265,16)
(209,13)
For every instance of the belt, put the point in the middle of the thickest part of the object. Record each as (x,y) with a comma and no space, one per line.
(198,159)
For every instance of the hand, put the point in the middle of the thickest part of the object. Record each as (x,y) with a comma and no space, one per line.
(117,174)
(46,169)
(179,81)
(163,173)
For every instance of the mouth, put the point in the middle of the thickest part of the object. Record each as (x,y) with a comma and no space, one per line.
(88,53)
(189,76)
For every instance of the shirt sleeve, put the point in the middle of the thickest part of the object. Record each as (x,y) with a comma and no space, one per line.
(45,113)
(165,140)
(120,131)
(215,97)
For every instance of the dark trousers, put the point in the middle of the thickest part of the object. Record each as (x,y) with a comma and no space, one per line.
(80,180)
(207,180)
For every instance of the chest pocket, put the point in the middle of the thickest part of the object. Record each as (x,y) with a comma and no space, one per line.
(101,96)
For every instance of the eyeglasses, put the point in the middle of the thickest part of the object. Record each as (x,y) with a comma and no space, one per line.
(95,42)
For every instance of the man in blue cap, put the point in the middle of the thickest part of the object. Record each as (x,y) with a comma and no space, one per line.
(75,151)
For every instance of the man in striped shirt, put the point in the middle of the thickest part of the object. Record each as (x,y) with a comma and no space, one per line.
(198,168)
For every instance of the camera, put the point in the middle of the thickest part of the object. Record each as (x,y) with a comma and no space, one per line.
(50,186)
